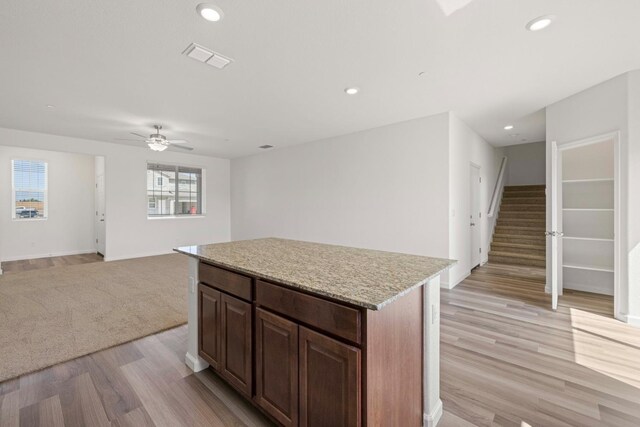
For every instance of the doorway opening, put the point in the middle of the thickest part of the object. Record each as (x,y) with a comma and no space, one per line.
(585,220)
(100,207)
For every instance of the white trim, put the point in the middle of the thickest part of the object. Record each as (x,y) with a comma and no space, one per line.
(138,255)
(195,363)
(432,419)
(631,320)
(49,255)
(453,283)
(588,209)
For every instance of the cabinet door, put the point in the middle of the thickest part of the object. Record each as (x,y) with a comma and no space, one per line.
(236,343)
(277,367)
(329,381)
(209,325)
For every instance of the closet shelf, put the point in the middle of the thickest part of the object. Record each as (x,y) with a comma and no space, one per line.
(570,181)
(591,268)
(594,239)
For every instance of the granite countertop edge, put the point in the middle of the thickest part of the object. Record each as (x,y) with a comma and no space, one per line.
(316,291)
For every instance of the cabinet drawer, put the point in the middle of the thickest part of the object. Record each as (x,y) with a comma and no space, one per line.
(336,319)
(231,283)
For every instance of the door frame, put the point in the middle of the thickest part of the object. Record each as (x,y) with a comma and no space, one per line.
(556,192)
(478,187)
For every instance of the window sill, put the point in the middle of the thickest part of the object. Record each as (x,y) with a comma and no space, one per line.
(28,219)
(154,218)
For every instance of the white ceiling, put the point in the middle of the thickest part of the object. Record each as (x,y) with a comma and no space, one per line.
(114,67)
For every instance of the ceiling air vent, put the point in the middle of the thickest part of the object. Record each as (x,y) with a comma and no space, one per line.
(264,147)
(203,54)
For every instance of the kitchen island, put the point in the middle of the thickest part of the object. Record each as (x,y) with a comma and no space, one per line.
(317,334)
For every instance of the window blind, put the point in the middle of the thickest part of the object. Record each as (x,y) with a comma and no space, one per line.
(30,185)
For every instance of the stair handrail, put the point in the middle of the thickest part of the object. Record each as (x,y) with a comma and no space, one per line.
(497,190)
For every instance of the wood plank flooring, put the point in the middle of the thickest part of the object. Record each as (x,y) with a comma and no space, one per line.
(507,360)
(38,263)
(141,383)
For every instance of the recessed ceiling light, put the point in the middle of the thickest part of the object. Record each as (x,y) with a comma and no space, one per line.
(540,23)
(51,106)
(351,90)
(508,127)
(210,12)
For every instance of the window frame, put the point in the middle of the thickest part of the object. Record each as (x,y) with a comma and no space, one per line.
(45,215)
(176,169)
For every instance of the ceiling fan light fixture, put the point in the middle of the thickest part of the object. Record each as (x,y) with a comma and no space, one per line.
(157,146)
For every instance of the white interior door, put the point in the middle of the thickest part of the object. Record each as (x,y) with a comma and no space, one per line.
(100,215)
(553,234)
(474,216)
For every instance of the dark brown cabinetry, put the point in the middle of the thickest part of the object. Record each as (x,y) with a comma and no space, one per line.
(209,325)
(329,381)
(235,360)
(277,367)
(317,362)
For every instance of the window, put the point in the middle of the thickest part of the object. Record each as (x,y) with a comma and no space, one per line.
(181,193)
(29,184)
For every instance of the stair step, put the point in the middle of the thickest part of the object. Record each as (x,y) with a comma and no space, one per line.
(519,231)
(519,238)
(510,207)
(515,188)
(522,214)
(517,259)
(522,222)
(517,194)
(524,200)
(531,249)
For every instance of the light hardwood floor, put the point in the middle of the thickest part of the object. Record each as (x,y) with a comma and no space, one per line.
(38,263)
(507,360)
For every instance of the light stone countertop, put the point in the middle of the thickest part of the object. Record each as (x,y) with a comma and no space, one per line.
(363,277)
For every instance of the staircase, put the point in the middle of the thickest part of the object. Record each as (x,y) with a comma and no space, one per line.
(519,238)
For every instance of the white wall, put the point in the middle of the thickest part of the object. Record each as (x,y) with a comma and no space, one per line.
(466,147)
(526,164)
(607,107)
(384,188)
(129,232)
(69,226)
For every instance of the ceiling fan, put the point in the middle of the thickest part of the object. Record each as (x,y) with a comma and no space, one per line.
(158,142)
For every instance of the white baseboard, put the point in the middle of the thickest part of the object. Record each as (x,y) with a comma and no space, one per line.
(631,320)
(138,255)
(195,363)
(48,255)
(453,283)
(432,419)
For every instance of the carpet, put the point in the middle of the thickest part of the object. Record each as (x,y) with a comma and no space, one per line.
(56,314)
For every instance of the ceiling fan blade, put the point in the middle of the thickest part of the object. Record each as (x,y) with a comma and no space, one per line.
(182,147)
(126,139)
(177,141)
(141,136)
